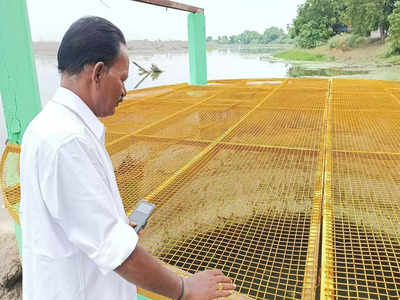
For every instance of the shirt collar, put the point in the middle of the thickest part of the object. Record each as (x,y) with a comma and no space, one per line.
(72,101)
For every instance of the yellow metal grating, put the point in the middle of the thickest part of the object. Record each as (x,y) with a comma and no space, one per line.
(147,163)
(365,226)
(9,179)
(281,128)
(361,230)
(245,173)
(366,131)
(245,210)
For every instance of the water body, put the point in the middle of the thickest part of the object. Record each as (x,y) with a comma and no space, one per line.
(229,63)
(221,64)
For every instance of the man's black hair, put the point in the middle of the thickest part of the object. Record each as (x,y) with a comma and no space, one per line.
(89,40)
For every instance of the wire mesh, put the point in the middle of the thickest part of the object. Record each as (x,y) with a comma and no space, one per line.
(299,98)
(361,235)
(239,170)
(284,128)
(235,212)
(147,163)
(138,116)
(214,212)
(206,122)
(366,226)
(9,180)
(377,101)
(366,131)
(310,84)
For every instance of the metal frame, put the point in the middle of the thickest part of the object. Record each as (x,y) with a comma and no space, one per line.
(173,5)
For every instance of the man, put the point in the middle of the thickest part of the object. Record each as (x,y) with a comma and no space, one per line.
(77,243)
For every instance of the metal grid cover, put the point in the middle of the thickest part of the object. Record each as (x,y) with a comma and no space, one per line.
(361,230)
(240,170)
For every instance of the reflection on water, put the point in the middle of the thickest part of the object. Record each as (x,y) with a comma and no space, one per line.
(229,63)
(152,75)
(299,71)
(258,50)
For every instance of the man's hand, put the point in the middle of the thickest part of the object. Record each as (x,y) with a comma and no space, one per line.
(144,270)
(207,285)
(133,225)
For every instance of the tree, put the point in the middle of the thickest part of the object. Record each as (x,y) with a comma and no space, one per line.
(233,39)
(248,37)
(223,39)
(272,34)
(365,16)
(317,21)
(394,37)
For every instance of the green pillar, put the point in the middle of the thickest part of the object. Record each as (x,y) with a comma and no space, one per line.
(19,90)
(197,49)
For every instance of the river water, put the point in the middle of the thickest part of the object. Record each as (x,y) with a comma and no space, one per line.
(221,64)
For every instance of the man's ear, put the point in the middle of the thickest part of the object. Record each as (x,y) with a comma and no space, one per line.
(98,72)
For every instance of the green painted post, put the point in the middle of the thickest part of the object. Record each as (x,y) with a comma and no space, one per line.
(19,91)
(197,49)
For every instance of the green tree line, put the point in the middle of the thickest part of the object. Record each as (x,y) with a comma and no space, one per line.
(270,35)
(319,20)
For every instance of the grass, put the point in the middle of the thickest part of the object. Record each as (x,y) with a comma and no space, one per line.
(302,55)
(394,59)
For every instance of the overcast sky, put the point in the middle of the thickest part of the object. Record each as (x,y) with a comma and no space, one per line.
(49,19)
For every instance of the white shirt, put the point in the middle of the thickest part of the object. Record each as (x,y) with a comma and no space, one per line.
(74,228)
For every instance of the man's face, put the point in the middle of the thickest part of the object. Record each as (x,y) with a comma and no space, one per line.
(111,85)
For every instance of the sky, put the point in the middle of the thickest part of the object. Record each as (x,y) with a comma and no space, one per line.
(49,19)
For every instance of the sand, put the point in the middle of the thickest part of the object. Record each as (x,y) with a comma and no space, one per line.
(10,271)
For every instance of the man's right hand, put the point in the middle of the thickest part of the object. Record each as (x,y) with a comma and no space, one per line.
(207,285)
(144,270)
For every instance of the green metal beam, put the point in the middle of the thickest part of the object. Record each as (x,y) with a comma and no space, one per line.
(18,82)
(197,49)
(19,91)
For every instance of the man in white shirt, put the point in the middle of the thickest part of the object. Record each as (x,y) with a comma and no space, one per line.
(77,243)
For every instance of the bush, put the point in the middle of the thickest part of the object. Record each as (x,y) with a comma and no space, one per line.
(338,42)
(346,41)
(355,41)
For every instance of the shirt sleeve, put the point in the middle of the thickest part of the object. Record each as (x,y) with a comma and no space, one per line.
(78,197)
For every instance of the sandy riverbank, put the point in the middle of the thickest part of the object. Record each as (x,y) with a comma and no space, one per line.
(10,271)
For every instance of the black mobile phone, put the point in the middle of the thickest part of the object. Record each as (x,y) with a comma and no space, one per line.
(141,214)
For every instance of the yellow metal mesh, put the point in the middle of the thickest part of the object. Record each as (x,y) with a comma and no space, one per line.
(236,177)
(281,128)
(245,210)
(239,171)
(361,236)
(9,179)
